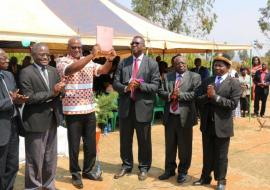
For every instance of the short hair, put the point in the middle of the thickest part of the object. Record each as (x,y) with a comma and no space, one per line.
(198,59)
(1,51)
(172,60)
(140,38)
(37,46)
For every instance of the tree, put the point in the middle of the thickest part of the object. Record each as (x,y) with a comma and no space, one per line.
(264,21)
(243,55)
(192,17)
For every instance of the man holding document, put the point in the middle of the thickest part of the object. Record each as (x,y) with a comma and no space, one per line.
(78,105)
(136,81)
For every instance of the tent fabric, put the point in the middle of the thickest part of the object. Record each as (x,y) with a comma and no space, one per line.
(54,22)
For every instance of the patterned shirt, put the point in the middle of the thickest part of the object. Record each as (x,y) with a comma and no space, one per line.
(79,96)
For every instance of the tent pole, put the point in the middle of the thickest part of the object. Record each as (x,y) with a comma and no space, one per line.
(250,82)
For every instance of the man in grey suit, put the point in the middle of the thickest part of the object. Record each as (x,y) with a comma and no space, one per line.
(9,123)
(178,90)
(136,80)
(41,116)
(218,96)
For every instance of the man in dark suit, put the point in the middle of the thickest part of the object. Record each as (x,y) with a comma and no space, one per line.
(178,90)
(262,81)
(218,96)
(136,80)
(201,70)
(9,121)
(41,116)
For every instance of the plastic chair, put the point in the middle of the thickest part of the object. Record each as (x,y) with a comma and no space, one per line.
(113,119)
(158,107)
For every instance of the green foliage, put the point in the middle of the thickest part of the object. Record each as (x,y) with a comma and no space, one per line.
(264,21)
(191,17)
(106,103)
(20,56)
(243,55)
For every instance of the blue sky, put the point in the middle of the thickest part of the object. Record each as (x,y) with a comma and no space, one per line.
(236,22)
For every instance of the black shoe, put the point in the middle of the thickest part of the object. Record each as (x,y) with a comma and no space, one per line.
(92,176)
(77,182)
(220,187)
(203,181)
(142,175)
(181,178)
(122,173)
(166,175)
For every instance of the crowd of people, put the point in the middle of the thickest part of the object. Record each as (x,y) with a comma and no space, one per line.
(40,96)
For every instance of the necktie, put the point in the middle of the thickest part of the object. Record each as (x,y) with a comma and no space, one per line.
(218,82)
(135,69)
(134,75)
(174,104)
(45,75)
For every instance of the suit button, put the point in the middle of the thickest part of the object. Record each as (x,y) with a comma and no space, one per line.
(51,110)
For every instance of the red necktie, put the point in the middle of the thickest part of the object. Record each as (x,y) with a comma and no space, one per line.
(174,104)
(134,75)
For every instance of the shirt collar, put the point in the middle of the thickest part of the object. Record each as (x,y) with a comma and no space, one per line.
(139,58)
(40,67)
(223,77)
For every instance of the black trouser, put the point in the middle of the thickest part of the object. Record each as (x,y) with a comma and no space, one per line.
(244,103)
(260,95)
(9,159)
(177,137)
(84,126)
(143,131)
(215,156)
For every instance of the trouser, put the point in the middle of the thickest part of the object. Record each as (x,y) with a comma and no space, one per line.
(177,137)
(215,156)
(81,126)
(260,95)
(143,131)
(41,159)
(9,160)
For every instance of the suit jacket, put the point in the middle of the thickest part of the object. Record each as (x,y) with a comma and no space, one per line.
(6,107)
(203,72)
(219,109)
(145,95)
(257,79)
(188,85)
(42,105)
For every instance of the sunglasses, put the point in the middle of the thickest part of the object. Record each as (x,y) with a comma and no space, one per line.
(135,43)
(76,47)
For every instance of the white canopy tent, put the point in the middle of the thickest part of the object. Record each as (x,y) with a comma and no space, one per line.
(54,22)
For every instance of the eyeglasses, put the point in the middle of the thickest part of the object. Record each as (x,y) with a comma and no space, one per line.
(135,43)
(76,47)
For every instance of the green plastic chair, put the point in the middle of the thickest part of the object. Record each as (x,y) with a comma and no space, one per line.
(158,107)
(113,119)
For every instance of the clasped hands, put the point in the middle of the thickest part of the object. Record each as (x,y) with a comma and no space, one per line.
(97,52)
(18,98)
(59,87)
(174,95)
(211,92)
(133,84)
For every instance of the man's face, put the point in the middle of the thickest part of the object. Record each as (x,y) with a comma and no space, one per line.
(137,46)
(220,68)
(75,48)
(41,56)
(179,65)
(198,63)
(3,60)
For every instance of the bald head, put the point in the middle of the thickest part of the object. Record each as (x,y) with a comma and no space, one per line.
(2,51)
(3,60)
(75,47)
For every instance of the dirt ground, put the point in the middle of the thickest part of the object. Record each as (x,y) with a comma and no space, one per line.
(249,157)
